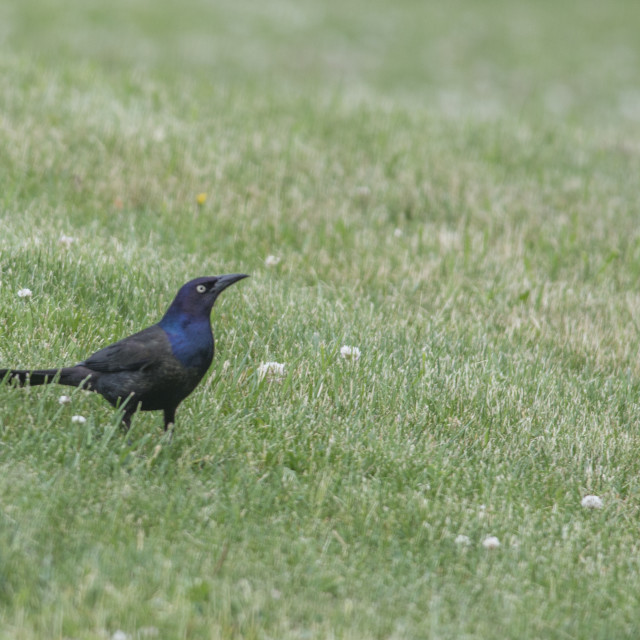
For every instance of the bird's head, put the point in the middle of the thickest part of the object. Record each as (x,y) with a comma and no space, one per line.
(196,298)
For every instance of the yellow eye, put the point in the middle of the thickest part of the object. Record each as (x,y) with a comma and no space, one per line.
(201,288)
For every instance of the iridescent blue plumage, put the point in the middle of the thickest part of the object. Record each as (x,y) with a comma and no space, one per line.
(191,339)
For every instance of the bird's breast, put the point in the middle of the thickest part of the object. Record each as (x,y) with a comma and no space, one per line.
(193,347)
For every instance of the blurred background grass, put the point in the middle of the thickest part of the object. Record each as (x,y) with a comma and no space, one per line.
(570,60)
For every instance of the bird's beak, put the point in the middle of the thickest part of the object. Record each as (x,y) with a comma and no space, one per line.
(226,281)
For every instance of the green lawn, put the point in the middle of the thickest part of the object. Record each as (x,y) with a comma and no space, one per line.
(453,188)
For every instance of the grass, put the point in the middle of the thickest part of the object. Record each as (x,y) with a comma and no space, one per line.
(454,191)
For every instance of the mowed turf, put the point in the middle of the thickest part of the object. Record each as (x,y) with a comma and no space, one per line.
(454,191)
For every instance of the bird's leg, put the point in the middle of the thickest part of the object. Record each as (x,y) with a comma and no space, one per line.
(128,408)
(169,418)
(126,421)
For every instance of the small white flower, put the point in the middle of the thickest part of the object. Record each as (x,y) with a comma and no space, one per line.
(78,419)
(350,353)
(66,241)
(271,371)
(398,233)
(64,399)
(159,134)
(271,261)
(491,542)
(462,540)
(591,502)
(119,635)
(25,293)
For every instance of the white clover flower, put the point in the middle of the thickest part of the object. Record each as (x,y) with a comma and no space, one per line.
(462,540)
(64,399)
(350,353)
(591,502)
(271,371)
(66,241)
(271,261)
(78,419)
(159,134)
(397,233)
(119,635)
(25,293)
(491,542)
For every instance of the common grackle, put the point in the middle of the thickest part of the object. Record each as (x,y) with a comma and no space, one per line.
(154,369)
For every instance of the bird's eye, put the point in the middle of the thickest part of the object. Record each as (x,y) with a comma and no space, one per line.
(201,288)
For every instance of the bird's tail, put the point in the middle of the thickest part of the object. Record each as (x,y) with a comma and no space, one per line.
(70,376)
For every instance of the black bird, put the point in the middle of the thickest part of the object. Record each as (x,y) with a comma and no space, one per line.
(154,369)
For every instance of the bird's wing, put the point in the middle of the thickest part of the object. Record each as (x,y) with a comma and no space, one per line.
(130,354)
